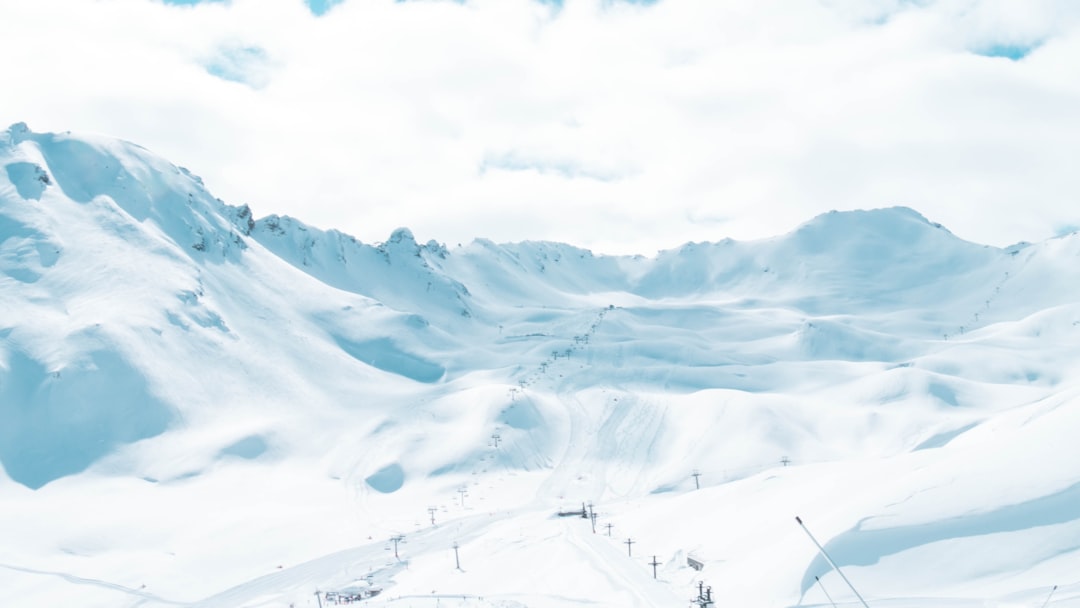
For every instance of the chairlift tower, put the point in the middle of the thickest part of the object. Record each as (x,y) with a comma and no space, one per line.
(397,539)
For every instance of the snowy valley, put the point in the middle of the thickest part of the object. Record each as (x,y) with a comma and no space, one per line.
(201,408)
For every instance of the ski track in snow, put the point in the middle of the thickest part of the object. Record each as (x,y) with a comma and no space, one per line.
(78,580)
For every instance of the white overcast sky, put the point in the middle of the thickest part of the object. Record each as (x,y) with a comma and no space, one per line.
(624,127)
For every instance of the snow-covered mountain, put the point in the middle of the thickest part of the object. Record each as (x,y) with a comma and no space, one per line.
(200,408)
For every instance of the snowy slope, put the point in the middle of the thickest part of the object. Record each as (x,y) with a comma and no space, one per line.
(200,408)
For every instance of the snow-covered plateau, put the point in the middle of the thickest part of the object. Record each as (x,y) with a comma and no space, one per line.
(200,408)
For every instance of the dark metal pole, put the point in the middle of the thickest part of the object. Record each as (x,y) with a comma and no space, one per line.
(829,597)
(1049,596)
(832,563)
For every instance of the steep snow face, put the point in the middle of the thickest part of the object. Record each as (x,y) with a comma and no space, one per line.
(396,272)
(116,266)
(203,408)
(125,180)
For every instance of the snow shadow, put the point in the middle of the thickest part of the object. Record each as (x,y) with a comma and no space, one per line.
(859,547)
(25,252)
(382,353)
(29,179)
(387,479)
(521,415)
(250,448)
(58,423)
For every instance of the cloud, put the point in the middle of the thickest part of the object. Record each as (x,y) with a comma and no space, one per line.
(605,123)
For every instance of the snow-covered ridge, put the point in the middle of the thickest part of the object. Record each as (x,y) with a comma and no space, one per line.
(170,364)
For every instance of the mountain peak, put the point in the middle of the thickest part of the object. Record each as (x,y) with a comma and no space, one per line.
(17,132)
(891,230)
(18,127)
(402,235)
(885,220)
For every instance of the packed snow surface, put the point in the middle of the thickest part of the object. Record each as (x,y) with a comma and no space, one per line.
(202,409)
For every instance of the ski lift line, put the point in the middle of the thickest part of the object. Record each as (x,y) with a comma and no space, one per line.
(829,559)
(1049,596)
(822,586)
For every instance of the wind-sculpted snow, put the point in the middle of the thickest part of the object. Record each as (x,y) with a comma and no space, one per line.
(387,479)
(55,423)
(383,354)
(867,544)
(29,179)
(395,272)
(203,408)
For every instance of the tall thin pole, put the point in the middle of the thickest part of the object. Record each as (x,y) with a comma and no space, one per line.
(831,562)
(609,526)
(697,481)
(1049,596)
(318,597)
(457,562)
(396,540)
(462,491)
(829,597)
(654,564)
(628,543)
(432,510)
(704,595)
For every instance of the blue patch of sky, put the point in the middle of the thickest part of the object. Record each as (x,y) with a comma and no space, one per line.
(192,2)
(883,14)
(243,64)
(557,3)
(512,161)
(320,7)
(1015,52)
